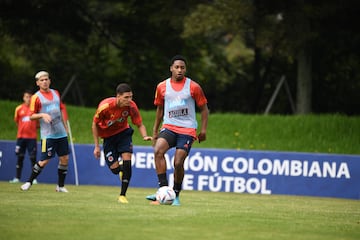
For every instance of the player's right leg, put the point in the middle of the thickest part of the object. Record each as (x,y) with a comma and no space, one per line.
(45,157)
(166,140)
(20,153)
(32,150)
(36,170)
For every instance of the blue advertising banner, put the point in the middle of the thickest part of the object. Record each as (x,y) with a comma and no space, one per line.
(254,172)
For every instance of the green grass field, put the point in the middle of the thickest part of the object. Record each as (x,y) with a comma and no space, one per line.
(92,212)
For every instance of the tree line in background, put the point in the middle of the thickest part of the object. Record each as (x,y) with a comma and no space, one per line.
(238,50)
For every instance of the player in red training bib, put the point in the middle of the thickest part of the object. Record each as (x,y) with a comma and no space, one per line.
(176,99)
(46,107)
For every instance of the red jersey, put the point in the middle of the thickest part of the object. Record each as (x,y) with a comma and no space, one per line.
(35,103)
(112,119)
(26,127)
(196,93)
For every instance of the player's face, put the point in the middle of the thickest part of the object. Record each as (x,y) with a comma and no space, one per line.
(27,98)
(44,83)
(124,99)
(178,70)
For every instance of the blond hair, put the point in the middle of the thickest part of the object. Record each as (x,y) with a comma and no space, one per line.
(40,74)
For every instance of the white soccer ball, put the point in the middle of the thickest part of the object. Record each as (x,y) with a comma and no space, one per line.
(165,195)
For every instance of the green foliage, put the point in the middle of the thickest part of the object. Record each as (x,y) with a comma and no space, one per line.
(92,212)
(237,49)
(309,133)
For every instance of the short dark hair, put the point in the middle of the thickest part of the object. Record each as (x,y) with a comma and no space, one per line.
(28,91)
(122,88)
(177,57)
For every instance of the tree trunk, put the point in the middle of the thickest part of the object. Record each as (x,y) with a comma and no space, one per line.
(304,83)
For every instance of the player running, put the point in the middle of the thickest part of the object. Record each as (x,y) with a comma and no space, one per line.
(110,122)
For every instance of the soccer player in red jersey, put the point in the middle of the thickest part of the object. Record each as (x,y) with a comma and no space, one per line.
(26,135)
(47,107)
(176,99)
(110,122)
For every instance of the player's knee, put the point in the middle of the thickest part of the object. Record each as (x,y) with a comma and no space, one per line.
(115,170)
(178,164)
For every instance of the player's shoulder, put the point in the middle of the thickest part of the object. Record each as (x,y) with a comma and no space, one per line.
(162,83)
(133,107)
(18,107)
(56,91)
(133,103)
(194,84)
(35,97)
(106,103)
(107,100)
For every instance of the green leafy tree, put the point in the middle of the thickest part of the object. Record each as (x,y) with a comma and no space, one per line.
(289,38)
(236,49)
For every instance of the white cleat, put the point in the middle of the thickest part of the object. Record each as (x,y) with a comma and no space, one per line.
(15,180)
(61,189)
(26,186)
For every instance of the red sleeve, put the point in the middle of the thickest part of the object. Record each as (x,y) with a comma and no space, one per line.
(16,115)
(160,94)
(135,114)
(62,107)
(35,104)
(64,111)
(198,94)
(102,107)
(101,112)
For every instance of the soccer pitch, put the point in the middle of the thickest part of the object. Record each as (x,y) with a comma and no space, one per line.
(92,212)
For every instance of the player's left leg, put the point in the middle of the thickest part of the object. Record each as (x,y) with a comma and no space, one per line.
(127,172)
(179,173)
(19,167)
(32,150)
(62,172)
(183,146)
(124,147)
(45,156)
(20,153)
(62,150)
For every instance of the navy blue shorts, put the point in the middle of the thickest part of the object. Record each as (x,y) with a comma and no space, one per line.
(180,141)
(50,146)
(23,144)
(117,144)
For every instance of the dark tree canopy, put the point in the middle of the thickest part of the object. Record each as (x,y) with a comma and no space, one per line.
(237,50)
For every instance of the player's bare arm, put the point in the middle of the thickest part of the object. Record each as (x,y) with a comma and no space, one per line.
(96,140)
(204,121)
(157,122)
(46,117)
(143,132)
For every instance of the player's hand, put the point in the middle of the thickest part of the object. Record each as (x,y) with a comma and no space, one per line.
(147,138)
(201,137)
(154,138)
(97,152)
(46,117)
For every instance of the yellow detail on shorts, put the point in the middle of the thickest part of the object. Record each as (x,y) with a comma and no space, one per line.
(43,145)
